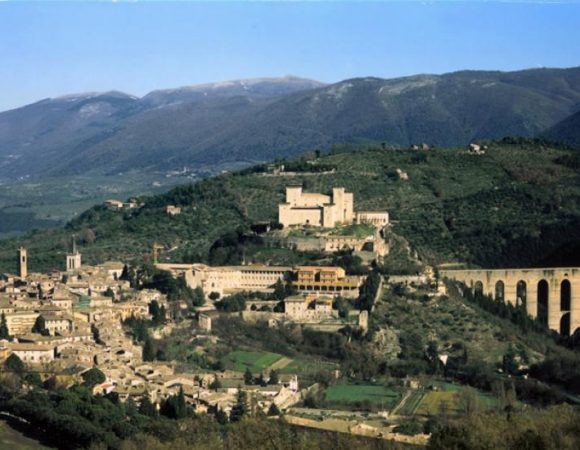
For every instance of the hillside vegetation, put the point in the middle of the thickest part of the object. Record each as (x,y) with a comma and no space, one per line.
(517,205)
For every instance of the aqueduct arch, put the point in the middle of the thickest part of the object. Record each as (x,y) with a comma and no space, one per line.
(543,301)
(550,294)
(499,291)
(521,293)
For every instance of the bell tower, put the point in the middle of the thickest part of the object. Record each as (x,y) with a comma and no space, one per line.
(73,260)
(22,262)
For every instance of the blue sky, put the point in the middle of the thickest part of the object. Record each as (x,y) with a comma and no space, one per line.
(50,49)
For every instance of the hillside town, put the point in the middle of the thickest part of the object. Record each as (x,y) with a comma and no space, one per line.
(152,333)
(65,323)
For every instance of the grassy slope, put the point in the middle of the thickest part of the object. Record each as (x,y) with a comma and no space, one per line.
(512,206)
(12,439)
(256,361)
(451,322)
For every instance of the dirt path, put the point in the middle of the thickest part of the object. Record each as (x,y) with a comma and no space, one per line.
(401,403)
(280,364)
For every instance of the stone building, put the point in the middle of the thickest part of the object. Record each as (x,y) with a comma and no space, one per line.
(316,209)
(328,211)
(32,353)
(228,279)
(308,308)
(20,322)
(56,324)
(172,210)
(204,322)
(376,218)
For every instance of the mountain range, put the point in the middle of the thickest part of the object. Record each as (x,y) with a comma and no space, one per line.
(247,121)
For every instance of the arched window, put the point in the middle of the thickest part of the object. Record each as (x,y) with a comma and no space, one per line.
(565,295)
(565,324)
(521,293)
(543,301)
(499,291)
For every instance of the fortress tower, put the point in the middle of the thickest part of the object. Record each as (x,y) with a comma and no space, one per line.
(316,209)
(73,260)
(22,262)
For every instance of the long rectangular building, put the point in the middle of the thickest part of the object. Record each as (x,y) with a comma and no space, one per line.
(226,280)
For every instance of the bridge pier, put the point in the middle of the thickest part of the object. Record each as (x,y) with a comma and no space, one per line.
(511,292)
(532,299)
(554,313)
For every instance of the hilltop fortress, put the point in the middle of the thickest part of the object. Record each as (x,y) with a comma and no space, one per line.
(320,210)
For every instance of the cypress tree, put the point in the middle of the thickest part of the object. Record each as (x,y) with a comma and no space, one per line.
(14,364)
(240,409)
(147,408)
(248,377)
(130,407)
(4,333)
(148,350)
(221,416)
(180,405)
(273,377)
(273,410)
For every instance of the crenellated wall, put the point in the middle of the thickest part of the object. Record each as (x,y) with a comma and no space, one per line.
(553,294)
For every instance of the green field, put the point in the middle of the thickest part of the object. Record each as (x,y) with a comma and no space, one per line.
(256,361)
(349,393)
(448,396)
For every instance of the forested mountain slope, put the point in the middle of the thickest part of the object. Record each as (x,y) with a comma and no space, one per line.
(566,131)
(248,121)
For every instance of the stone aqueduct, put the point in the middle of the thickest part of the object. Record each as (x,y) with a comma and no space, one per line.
(552,295)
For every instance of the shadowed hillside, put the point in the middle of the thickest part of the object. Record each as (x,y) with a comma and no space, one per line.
(566,131)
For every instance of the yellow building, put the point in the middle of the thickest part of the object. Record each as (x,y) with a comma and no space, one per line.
(326,280)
